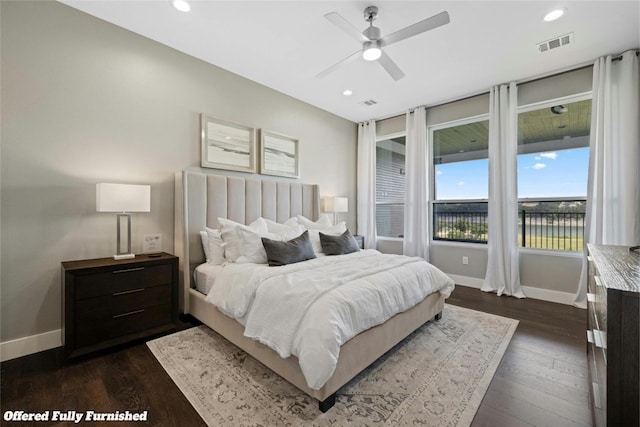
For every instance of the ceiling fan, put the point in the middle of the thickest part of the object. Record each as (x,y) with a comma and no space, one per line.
(372,43)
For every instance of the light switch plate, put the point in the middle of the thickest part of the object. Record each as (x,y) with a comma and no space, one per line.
(152,243)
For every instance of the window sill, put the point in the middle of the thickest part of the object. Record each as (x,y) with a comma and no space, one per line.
(551,252)
(389,239)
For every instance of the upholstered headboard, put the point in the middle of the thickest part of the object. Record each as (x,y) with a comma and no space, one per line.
(202,198)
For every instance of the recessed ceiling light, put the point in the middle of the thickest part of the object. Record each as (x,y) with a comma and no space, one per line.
(181,5)
(559,109)
(347,92)
(553,15)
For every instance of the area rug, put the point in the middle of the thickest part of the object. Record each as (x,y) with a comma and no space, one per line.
(437,376)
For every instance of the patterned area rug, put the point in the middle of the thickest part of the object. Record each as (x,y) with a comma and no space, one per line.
(437,376)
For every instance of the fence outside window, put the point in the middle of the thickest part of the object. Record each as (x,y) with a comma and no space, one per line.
(547,224)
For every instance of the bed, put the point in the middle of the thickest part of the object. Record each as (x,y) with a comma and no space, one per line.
(201,199)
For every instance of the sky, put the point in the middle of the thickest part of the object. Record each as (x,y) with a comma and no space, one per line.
(561,173)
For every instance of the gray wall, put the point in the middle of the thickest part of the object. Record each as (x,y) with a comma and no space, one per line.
(84,101)
(539,269)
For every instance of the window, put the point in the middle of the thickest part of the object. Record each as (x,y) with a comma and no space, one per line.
(390,186)
(553,164)
(461,180)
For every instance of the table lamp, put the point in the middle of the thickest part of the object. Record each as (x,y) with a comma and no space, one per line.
(123,198)
(335,205)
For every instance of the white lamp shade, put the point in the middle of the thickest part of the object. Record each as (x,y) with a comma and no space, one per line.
(336,204)
(123,198)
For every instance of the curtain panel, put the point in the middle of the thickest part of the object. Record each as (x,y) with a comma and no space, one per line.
(366,183)
(503,266)
(417,173)
(613,187)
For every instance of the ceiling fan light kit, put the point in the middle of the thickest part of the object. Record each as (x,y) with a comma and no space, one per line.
(372,42)
(371,51)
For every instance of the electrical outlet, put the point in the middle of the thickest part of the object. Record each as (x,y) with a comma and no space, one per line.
(465,260)
(152,243)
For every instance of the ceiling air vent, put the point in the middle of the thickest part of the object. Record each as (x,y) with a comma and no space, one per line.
(555,42)
(368,103)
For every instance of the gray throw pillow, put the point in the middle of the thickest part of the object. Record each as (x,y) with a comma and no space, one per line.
(283,253)
(339,245)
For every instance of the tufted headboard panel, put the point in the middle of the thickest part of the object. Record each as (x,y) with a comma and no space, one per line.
(202,198)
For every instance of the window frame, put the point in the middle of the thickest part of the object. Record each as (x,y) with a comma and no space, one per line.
(384,138)
(432,174)
(583,96)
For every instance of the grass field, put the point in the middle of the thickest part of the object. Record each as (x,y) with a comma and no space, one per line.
(534,241)
(563,243)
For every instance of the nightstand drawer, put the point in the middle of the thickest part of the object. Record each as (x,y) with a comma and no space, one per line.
(90,333)
(121,280)
(107,302)
(105,307)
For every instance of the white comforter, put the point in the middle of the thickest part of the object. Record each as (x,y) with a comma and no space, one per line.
(310,309)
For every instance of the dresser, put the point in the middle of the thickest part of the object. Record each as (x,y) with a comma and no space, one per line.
(108,302)
(613,335)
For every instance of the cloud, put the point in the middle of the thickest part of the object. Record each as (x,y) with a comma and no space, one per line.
(551,155)
(538,158)
(438,172)
(539,166)
(460,182)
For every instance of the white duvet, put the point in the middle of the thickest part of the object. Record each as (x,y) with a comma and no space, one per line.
(309,309)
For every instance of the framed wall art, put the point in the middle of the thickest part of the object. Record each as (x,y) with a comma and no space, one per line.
(227,145)
(279,155)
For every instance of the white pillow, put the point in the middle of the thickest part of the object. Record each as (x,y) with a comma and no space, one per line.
(334,230)
(292,222)
(214,245)
(252,249)
(232,240)
(322,222)
(204,238)
(250,244)
(291,225)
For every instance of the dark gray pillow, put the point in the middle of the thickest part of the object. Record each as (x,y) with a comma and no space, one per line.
(339,245)
(283,253)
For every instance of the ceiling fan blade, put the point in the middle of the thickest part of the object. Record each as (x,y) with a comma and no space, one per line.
(435,21)
(337,65)
(336,19)
(390,67)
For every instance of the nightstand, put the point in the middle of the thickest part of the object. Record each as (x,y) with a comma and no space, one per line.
(360,240)
(108,302)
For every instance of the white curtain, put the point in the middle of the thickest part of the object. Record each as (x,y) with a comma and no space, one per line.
(416,207)
(503,267)
(613,188)
(366,182)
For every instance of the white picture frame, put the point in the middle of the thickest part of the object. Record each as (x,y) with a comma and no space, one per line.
(227,145)
(279,154)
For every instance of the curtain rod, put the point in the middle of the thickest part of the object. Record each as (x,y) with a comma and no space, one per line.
(520,82)
(619,57)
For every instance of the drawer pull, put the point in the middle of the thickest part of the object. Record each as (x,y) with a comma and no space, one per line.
(598,282)
(598,338)
(128,270)
(127,292)
(589,336)
(128,314)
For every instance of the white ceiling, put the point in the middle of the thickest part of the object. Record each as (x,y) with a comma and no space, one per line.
(284,44)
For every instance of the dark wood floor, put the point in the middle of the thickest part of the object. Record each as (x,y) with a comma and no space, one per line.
(541,381)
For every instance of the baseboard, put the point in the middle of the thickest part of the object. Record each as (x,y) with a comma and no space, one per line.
(531,292)
(29,345)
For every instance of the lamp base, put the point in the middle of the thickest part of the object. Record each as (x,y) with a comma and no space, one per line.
(123,256)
